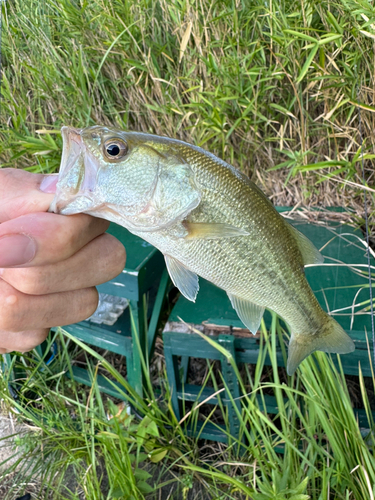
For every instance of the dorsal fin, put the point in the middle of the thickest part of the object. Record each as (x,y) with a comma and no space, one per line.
(310,254)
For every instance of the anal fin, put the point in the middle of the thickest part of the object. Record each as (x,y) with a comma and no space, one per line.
(184,279)
(249,313)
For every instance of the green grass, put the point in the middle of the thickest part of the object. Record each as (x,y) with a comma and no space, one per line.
(325,453)
(262,84)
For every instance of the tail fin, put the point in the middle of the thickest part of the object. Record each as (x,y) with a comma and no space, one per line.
(331,338)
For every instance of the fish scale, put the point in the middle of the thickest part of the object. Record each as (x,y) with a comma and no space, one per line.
(240,266)
(208,219)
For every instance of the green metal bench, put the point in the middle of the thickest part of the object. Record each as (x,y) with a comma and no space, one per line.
(337,288)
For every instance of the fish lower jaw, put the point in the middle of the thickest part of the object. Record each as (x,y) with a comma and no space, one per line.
(74,206)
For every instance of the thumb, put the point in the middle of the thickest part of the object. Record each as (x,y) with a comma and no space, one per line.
(22,192)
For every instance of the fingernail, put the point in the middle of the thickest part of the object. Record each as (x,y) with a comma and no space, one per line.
(48,184)
(16,250)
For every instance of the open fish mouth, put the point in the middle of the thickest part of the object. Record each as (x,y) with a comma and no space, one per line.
(77,176)
(72,148)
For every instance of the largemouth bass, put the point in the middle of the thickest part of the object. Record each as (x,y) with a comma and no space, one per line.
(208,219)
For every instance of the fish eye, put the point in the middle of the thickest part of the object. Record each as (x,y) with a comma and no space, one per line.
(115,149)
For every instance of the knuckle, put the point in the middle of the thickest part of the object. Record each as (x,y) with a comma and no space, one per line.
(10,314)
(118,257)
(10,317)
(91,301)
(115,253)
(7,175)
(68,235)
(29,281)
(21,341)
(97,225)
(32,339)
(109,256)
(87,227)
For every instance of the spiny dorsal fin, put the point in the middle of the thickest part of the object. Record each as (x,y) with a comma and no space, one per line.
(249,313)
(184,279)
(310,254)
(211,231)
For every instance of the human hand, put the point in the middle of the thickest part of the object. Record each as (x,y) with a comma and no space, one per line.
(49,263)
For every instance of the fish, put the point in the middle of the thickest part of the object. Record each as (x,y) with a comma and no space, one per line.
(208,219)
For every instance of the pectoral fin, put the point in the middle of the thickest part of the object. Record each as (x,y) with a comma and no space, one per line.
(310,254)
(250,314)
(186,281)
(211,231)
